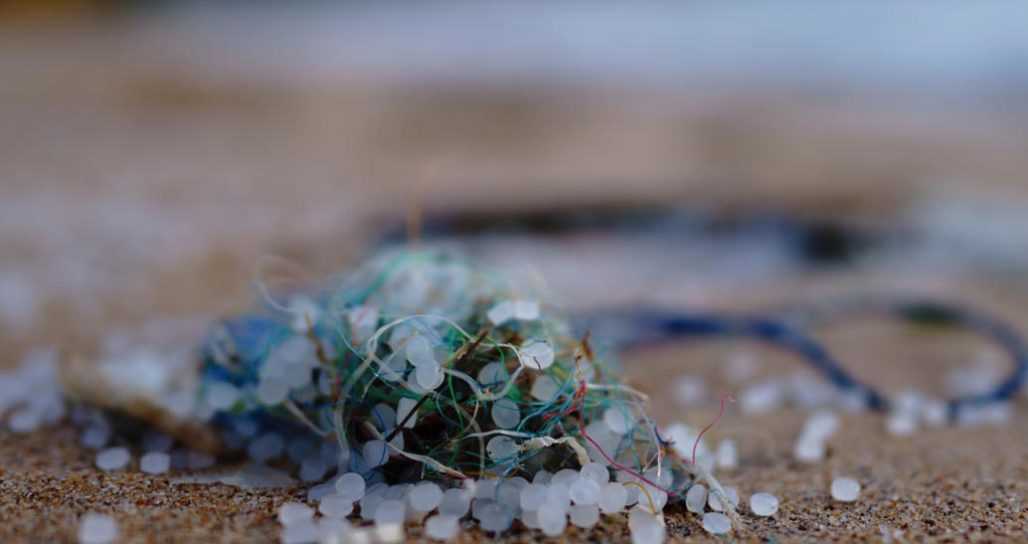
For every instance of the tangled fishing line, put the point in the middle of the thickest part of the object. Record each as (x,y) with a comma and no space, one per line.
(420,366)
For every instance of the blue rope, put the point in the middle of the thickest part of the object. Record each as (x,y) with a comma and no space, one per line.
(638,326)
(935,312)
(634,327)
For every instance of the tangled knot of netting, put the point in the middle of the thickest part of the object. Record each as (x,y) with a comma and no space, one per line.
(421,365)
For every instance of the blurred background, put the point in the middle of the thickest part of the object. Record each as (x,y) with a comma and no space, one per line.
(689,153)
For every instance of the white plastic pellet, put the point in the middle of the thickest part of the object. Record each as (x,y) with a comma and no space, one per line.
(113,459)
(689,390)
(618,420)
(155,462)
(294,512)
(584,491)
(727,455)
(335,506)
(715,503)
(646,528)
(425,497)
(375,452)
(809,449)
(584,515)
(613,497)
(716,523)
(221,395)
(901,423)
(552,521)
(390,512)
(97,529)
(763,504)
(429,377)
(455,502)
(762,397)
(403,409)
(532,497)
(545,387)
(845,489)
(537,355)
(493,375)
(595,471)
(501,447)
(501,313)
(506,414)
(351,486)
(696,498)
(419,352)
(300,532)
(526,310)
(95,436)
(495,517)
(442,527)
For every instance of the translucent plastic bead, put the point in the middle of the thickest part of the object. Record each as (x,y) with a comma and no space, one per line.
(425,497)
(526,310)
(383,417)
(545,388)
(442,527)
(584,515)
(155,462)
(552,521)
(845,489)
(350,486)
(294,512)
(113,459)
(403,409)
(271,391)
(493,375)
(390,512)
(696,498)
(585,491)
(716,523)
(335,506)
(95,436)
(501,313)
(455,502)
(532,497)
(429,377)
(375,452)
(763,504)
(506,414)
(596,472)
(645,527)
(501,447)
(613,497)
(715,503)
(301,532)
(420,353)
(727,455)
(495,517)
(537,355)
(221,395)
(97,529)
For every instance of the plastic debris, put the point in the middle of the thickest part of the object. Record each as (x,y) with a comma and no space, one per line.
(97,528)
(845,489)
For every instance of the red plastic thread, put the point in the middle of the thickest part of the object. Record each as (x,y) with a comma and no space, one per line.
(615,464)
(724,397)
